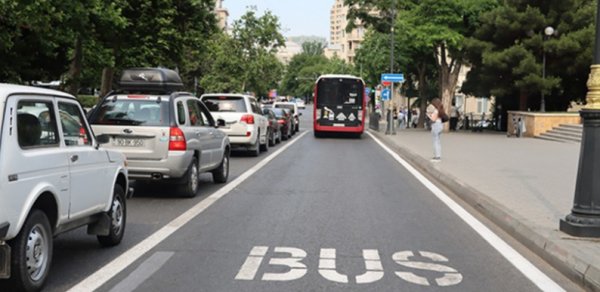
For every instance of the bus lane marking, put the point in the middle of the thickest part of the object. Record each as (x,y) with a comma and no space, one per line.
(526,268)
(117,265)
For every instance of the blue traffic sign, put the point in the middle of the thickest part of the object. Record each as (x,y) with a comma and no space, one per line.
(393,77)
(385,94)
(368,90)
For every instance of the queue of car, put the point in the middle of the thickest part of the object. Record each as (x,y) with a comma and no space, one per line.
(65,171)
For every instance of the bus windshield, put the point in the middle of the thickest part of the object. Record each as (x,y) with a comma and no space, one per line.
(338,91)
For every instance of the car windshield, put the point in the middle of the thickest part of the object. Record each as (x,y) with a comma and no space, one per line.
(337,91)
(234,104)
(134,112)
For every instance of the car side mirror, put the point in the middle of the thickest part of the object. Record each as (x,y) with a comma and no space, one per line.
(220,123)
(102,139)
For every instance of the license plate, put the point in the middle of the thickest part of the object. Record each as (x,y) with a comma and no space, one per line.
(121,142)
(4,261)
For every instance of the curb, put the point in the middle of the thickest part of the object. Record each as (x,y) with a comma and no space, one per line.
(570,265)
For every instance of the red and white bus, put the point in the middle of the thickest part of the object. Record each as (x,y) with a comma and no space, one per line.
(339,105)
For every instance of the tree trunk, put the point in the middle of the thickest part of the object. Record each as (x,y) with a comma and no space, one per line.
(523,100)
(448,78)
(107,80)
(74,79)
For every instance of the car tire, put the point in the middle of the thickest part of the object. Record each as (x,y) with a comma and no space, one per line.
(221,174)
(279,134)
(265,147)
(256,151)
(272,139)
(31,254)
(191,180)
(118,219)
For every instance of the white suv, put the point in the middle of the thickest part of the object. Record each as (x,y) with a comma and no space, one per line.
(245,124)
(55,177)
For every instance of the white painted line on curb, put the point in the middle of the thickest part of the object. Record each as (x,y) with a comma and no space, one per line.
(117,265)
(521,263)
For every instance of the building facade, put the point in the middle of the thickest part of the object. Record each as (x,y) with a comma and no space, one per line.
(222,14)
(343,44)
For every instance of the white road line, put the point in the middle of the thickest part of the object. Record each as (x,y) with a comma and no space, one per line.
(117,265)
(143,272)
(521,263)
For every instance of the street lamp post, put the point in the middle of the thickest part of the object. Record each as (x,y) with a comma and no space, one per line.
(549,31)
(390,118)
(584,220)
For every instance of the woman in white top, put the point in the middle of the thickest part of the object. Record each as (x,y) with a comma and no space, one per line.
(435,110)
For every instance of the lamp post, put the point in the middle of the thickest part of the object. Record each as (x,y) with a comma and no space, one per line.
(390,126)
(549,31)
(584,220)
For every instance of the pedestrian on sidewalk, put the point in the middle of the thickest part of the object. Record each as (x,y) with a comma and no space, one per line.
(435,112)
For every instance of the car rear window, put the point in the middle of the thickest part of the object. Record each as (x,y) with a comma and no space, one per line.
(336,91)
(225,104)
(279,113)
(128,111)
(283,105)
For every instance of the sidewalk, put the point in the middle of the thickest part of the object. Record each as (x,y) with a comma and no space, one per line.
(524,185)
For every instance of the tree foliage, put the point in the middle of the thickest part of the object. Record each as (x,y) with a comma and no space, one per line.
(245,61)
(73,40)
(508,46)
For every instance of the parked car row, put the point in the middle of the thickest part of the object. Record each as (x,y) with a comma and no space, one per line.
(65,171)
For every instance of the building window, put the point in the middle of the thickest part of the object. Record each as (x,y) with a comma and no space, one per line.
(482,105)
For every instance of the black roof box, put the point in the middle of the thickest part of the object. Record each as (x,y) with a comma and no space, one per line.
(150,79)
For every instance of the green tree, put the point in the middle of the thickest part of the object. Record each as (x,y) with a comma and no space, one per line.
(313,48)
(257,37)
(435,27)
(507,49)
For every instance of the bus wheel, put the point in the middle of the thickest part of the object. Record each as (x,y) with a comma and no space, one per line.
(318,134)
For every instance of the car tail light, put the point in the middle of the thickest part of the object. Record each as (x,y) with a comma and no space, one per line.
(83,135)
(248,119)
(177,140)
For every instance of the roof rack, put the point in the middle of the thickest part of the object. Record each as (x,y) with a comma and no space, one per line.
(150,79)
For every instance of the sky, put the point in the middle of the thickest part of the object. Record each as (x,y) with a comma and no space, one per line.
(297,17)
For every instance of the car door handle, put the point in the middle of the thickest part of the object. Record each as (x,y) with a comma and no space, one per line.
(74,158)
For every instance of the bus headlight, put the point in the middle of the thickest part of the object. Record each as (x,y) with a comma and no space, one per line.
(318,113)
(360,116)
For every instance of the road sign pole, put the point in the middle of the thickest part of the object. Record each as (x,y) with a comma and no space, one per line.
(392,110)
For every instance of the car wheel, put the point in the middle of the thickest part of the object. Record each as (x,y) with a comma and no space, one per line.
(221,174)
(192,180)
(265,147)
(278,136)
(272,139)
(256,151)
(31,254)
(118,218)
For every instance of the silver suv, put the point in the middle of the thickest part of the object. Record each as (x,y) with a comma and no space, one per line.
(55,177)
(167,135)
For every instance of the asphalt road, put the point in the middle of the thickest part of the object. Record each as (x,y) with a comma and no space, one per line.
(327,214)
